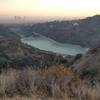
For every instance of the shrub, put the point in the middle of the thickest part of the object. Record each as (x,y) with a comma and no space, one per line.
(51,83)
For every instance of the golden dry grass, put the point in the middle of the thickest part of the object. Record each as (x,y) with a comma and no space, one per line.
(54,83)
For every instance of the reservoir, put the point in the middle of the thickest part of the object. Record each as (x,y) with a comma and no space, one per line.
(48,44)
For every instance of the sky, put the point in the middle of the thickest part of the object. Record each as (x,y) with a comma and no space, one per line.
(50,8)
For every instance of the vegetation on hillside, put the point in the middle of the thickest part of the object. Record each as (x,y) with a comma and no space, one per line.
(54,83)
(17,55)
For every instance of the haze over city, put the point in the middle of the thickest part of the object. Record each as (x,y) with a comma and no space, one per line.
(49,9)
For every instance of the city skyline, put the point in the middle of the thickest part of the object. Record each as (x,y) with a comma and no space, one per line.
(49,8)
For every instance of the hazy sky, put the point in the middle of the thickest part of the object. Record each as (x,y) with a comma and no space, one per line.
(51,8)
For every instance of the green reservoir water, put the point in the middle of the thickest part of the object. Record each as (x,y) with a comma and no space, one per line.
(47,44)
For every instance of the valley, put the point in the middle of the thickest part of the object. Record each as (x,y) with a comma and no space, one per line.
(57,60)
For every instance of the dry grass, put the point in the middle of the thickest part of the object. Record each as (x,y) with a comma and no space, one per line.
(55,83)
(27,98)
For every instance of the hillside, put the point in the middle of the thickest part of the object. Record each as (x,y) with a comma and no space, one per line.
(15,54)
(59,81)
(6,32)
(88,66)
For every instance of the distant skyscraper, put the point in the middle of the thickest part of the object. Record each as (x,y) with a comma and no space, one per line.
(17,17)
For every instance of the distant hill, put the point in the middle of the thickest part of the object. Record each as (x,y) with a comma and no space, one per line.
(6,32)
(84,32)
